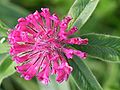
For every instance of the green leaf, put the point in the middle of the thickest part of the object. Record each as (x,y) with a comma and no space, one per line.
(53,85)
(6,68)
(24,84)
(80,11)
(4,46)
(8,84)
(72,84)
(103,47)
(112,80)
(82,75)
(9,12)
(3,57)
(3,29)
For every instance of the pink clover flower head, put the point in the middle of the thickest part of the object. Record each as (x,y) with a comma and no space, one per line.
(38,46)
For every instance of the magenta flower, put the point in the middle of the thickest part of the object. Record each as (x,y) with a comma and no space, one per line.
(38,45)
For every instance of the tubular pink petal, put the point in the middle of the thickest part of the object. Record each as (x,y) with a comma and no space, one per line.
(68,52)
(38,18)
(63,72)
(39,46)
(19,59)
(43,76)
(72,31)
(77,41)
(80,54)
(56,20)
(45,13)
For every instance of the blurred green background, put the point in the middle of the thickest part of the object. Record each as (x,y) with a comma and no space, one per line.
(105,19)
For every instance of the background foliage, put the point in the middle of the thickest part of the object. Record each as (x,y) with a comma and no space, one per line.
(104,20)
